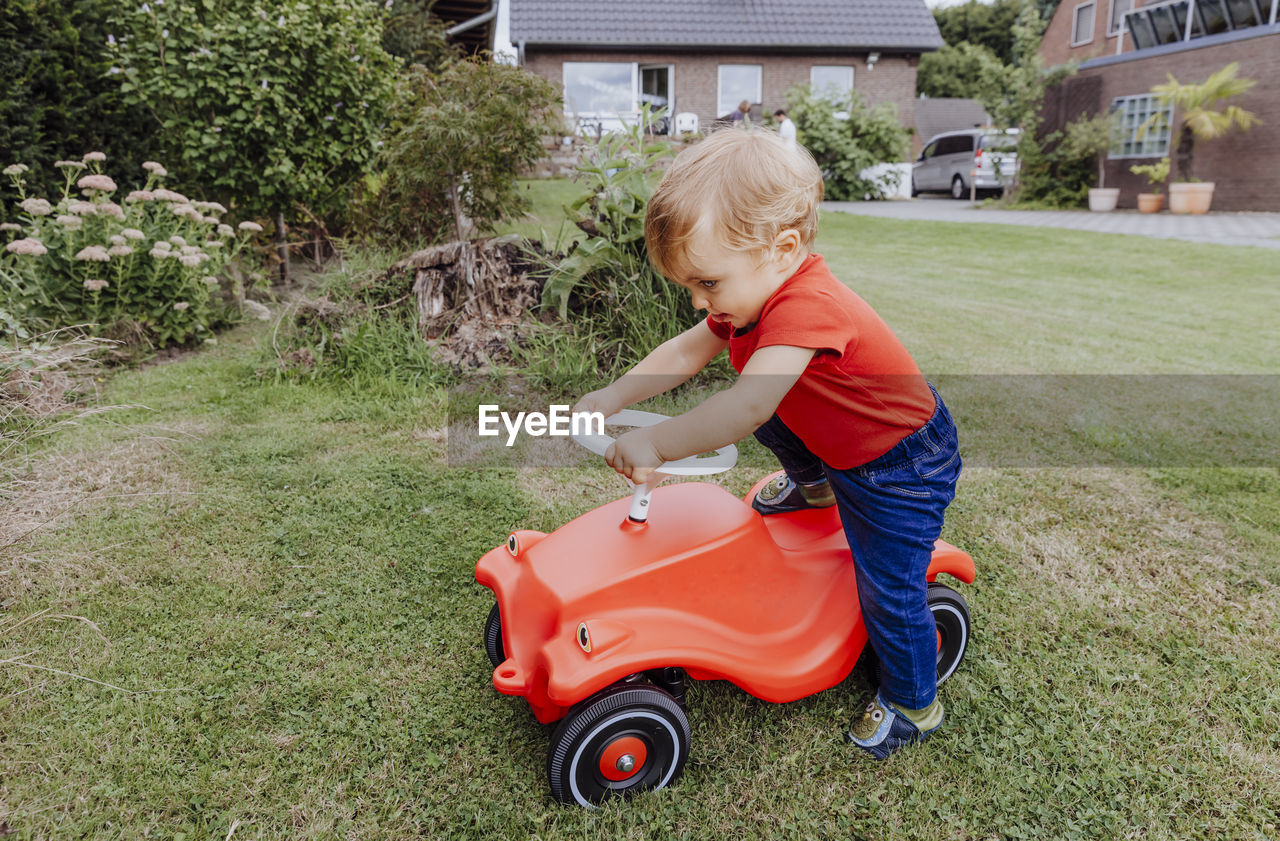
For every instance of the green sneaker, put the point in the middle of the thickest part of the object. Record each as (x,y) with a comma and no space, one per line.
(885,729)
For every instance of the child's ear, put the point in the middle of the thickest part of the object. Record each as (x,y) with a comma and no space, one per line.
(786,246)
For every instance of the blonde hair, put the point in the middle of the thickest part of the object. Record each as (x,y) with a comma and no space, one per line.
(749,185)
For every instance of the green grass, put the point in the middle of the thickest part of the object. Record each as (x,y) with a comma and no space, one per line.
(276,579)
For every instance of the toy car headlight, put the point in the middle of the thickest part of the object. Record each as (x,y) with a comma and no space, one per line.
(513,545)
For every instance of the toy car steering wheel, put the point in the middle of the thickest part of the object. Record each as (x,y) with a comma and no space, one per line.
(725,457)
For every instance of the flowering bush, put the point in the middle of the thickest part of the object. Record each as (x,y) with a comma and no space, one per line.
(144,267)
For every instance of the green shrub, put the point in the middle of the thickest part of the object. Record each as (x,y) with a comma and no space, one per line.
(456,142)
(846,137)
(268,105)
(58,95)
(141,269)
(611,306)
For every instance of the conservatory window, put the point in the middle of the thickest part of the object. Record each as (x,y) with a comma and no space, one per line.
(1132,114)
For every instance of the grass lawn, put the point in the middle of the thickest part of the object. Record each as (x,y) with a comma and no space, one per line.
(250,610)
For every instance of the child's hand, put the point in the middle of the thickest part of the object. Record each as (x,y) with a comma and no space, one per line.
(597,401)
(633,455)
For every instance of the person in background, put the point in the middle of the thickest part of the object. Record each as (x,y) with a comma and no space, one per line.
(740,117)
(786,128)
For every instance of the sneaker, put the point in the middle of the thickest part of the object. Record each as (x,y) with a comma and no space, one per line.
(783,495)
(883,730)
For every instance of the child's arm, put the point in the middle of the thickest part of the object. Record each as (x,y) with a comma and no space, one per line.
(721,419)
(666,366)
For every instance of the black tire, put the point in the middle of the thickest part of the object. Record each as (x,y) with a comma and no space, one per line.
(626,723)
(915,191)
(958,188)
(493,638)
(951,614)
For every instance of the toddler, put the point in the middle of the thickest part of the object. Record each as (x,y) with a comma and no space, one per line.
(823,383)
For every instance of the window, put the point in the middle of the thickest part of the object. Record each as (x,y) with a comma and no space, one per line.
(737,82)
(1082,24)
(831,81)
(1118,10)
(1137,138)
(599,88)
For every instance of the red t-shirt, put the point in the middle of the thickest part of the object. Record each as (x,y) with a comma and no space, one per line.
(862,392)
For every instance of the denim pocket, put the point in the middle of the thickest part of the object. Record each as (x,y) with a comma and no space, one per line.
(902,479)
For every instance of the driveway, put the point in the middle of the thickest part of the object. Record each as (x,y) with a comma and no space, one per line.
(1259,229)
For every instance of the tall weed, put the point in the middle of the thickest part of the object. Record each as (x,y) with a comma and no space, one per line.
(608,304)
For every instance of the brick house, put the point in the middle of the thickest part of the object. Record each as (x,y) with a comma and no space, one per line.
(1127,46)
(703,57)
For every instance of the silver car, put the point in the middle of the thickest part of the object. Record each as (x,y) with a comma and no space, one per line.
(958,160)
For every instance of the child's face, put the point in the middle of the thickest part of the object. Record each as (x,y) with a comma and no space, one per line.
(733,286)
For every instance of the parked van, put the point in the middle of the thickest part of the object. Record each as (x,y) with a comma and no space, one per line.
(956,160)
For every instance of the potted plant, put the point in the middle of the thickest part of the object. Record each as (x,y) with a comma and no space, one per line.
(1092,138)
(1204,116)
(1155,174)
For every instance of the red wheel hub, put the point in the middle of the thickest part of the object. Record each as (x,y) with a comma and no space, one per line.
(623,759)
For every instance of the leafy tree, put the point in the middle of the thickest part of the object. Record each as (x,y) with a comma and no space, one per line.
(269,106)
(1204,113)
(988,25)
(57,97)
(414,36)
(457,139)
(968,71)
(1018,99)
(846,137)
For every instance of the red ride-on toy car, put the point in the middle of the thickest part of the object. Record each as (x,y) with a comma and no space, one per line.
(598,624)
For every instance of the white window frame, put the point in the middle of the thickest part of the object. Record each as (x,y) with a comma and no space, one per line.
(1128,127)
(671,84)
(759,97)
(1111,16)
(1075,22)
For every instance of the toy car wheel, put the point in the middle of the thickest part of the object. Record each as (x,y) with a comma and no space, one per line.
(621,741)
(493,638)
(951,614)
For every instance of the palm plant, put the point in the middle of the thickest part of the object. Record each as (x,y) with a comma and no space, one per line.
(1204,114)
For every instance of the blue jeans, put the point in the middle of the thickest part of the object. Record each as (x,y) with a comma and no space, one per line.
(891,509)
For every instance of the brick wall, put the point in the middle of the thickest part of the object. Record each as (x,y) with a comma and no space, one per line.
(892,79)
(1055,45)
(1242,164)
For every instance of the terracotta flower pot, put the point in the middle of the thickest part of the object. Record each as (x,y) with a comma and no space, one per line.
(1150,202)
(1103,199)
(1190,197)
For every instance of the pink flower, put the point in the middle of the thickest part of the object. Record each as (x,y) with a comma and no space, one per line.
(71,164)
(154,168)
(37,207)
(140,195)
(192,260)
(132,233)
(95,156)
(71,223)
(251,226)
(169,195)
(83,208)
(95,285)
(28,246)
(181,305)
(110,208)
(93,252)
(119,251)
(96,182)
(10,226)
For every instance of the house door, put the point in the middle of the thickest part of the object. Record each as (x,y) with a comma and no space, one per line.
(657,89)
